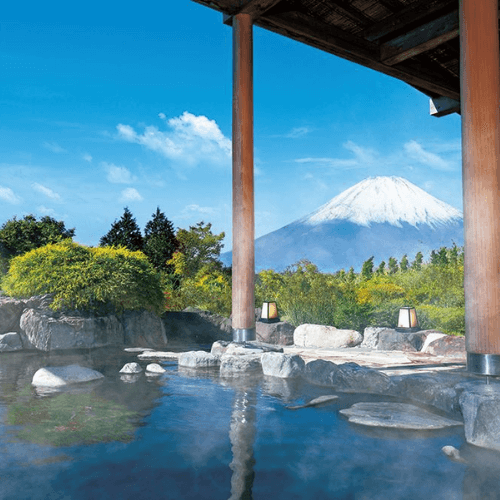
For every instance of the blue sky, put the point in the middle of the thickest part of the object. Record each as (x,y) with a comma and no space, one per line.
(104,106)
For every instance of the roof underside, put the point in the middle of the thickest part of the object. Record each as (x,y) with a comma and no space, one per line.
(415,41)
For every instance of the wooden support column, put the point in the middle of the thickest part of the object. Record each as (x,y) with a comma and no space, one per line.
(243,321)
(480,100)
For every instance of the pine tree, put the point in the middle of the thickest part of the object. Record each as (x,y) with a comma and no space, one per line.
(367,269)
(381,268)
(393,265)
(403,265)
(124,232)
(159,240)
(417,263)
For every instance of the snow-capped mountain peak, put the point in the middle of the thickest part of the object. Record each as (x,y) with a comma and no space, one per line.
(393,200)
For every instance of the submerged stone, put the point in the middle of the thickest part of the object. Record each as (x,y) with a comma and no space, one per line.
(396,416)
(57,376)
(321,400)
(154,368)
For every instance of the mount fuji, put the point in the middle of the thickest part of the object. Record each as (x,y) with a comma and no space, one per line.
(380,216)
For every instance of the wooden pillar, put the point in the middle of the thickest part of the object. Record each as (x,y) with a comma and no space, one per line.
(243,321)
(480,100)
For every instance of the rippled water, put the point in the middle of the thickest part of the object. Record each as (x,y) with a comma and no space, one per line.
(185,435)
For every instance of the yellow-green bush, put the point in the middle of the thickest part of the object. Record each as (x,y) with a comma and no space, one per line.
(450,320)
(86,278)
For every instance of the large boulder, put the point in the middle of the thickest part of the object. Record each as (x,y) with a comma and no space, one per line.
(282,365)
(279,333)
(449,346)
(351,377)
(46,333)
(392,340)
(319,372)
(143,329)
(196,326)
(10,313)
(10,341)
(308,335)
(198,359)
(57,376)
(239,364)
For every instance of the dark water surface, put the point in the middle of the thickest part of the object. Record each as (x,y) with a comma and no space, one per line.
(185,435)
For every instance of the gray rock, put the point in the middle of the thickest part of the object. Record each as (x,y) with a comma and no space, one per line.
(453,454)
(391,340)
(308,335)
(131,368)
(198,359)
(10,341)
(137,349)
(237,365)
(370,336)
(10,314)
(46,333)
(265,347)
(282,365)
(396,415)
(480,404)
(143,328)
(436,389)
(58,376)
(154,368)
(449,346)
(159,355)
(351,377)
(319,372)
(219,347)
(279,333)
(236,348)
(321,400)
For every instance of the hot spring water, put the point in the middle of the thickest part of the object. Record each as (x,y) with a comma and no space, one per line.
(185,435)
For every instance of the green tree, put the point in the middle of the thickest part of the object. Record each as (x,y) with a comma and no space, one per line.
(159,240)
(18,236)
(198,247)
(367,269)
(417,263)
(381,268)
(393,265)
(404,264)
(124,232)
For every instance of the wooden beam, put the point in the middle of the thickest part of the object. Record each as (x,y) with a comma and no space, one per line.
(405,17)
(422,39)
(254,8)
(480,88)
(347,10)
(325,37)
(442,106)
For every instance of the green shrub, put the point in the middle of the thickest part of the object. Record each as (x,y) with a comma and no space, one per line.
(450,320)
(80,277)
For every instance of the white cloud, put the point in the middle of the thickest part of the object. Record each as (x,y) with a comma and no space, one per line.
(46,211)
(297,132)
(49,193)
(419,154)
(54,147)
(130,194)
(117,175)
(87,157)
(6,194)
(189,209)
(163,116)
(191,139)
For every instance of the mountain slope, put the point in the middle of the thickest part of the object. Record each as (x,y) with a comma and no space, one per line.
(381,216)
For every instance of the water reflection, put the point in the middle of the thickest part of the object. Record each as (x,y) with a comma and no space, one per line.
(242,431)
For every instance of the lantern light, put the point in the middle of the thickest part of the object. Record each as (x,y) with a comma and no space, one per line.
(407,321)
(269,313)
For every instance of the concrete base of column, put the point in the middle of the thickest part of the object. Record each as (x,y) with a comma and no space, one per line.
(241,335)
(483,364)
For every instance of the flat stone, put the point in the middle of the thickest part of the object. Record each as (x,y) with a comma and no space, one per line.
(281,365)
(239,364)
(198,359)
(321,400)
(159,355)
(10,341)
(57,376)
(396,416)
(235,348)
(154,368)
(131,368)
(138,349)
